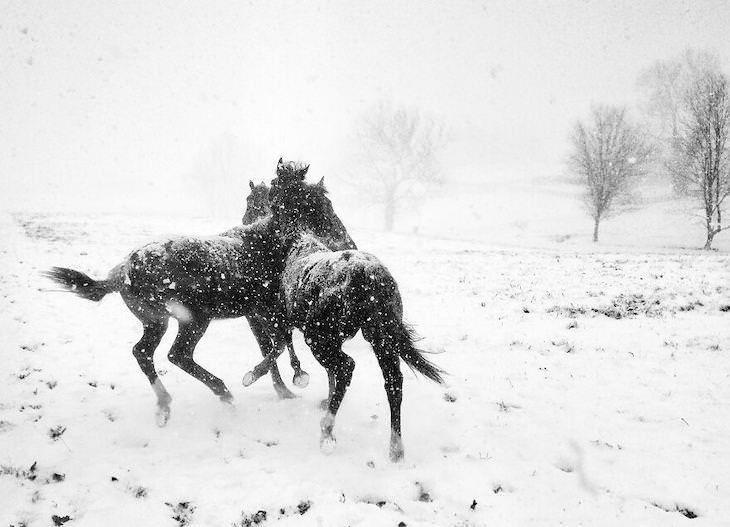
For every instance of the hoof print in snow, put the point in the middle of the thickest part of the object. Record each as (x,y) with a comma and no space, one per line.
(370,464)
(497,489)
(507,407)
(182,513)
(137,491)
(572,324)
(5,425)
(60,520)
(51,384)
(56,432)
(402,524)
(449,397)
(564,344)
(565,466)
(423,494)
(58,477)
(377,501)
(473,505)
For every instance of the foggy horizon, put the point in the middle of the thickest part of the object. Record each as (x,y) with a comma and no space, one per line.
(115,107)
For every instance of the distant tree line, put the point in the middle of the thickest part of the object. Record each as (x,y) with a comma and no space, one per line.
(683,135)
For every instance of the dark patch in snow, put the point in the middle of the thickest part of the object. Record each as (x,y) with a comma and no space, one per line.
(449,397)
(684,511)
(29,473)
(56,432)
(423,494)
(60,520)
(252,519)
(622,306)
(138,491)
(182,513)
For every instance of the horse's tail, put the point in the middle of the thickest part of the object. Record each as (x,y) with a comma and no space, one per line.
(81,284)
(387,332)
(404,338)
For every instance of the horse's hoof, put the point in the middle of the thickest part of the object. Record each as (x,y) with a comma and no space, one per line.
(396,456)
(227,398)
(249,379)
(162,416)
(396,449)
(301,380)
(324,404)
(327,445)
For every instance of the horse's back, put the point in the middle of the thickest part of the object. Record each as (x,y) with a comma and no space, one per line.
(338,283)
(219,275)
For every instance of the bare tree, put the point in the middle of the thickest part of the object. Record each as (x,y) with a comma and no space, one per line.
(608,157)
(399,149)
(701,161)
(662,87)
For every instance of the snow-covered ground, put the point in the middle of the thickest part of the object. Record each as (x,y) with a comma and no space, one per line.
(587,386)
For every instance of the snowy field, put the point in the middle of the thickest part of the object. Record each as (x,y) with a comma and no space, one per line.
(586,387)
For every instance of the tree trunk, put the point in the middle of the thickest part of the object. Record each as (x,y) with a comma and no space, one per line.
(710,235)
(596,221)
(389,215)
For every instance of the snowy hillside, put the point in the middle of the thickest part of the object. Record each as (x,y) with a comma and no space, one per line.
(587,386)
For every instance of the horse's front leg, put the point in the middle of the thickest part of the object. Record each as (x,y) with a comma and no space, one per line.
(263,367)
(259,330)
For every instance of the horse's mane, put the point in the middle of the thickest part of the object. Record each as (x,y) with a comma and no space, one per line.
(291,170)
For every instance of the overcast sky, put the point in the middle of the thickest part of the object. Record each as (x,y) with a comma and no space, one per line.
(102,103)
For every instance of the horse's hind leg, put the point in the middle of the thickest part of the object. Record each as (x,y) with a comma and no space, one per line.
(144,352)
(262,337)
(181,355)
(339,367)
(301,377)
(390,365)
(325,403)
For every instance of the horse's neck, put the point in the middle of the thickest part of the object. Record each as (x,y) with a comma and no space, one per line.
(260,225)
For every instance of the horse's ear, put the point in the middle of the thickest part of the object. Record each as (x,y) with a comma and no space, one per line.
(250,184)
(303,172)
(281,162)
(320,184)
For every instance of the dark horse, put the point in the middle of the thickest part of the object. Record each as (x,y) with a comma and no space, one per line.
(257,206)
(330,295)
(198,279)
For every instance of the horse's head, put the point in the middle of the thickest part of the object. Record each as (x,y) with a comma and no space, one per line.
(257,203)
(300,206)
